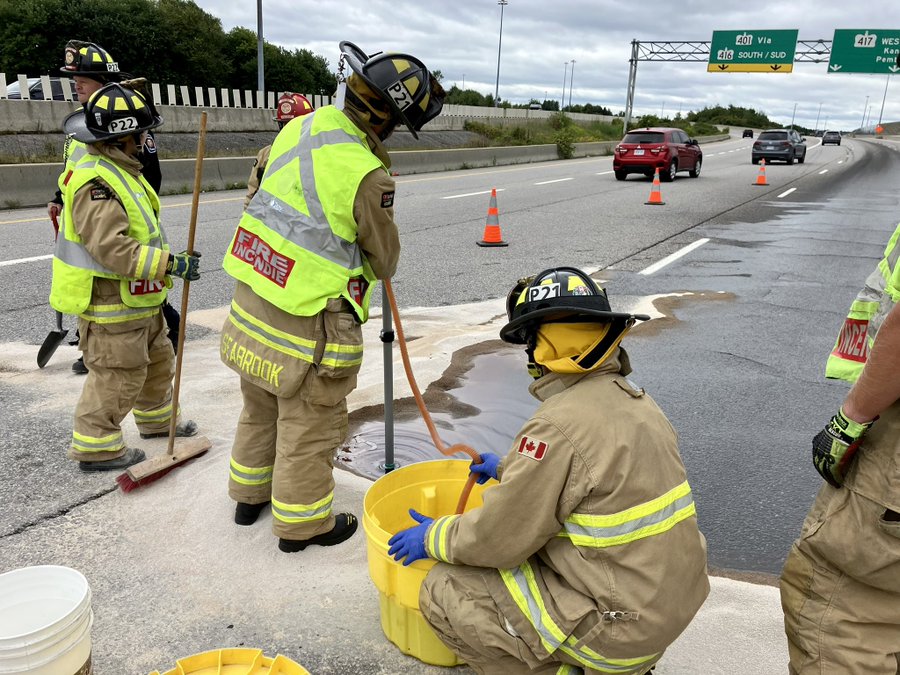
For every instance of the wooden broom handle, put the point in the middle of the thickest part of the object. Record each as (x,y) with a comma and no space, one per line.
(182,320)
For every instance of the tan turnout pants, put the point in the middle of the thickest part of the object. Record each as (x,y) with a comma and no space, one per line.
(840,589)
(457,604)
(283,450)
(130,367)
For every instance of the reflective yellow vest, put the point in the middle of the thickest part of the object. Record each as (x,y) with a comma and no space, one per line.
(73,267)
(295,245)
(867,313)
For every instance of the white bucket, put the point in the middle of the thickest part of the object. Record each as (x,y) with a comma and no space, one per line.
(45,621)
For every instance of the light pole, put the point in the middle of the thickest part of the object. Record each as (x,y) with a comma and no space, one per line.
(868,115)
(464,81)
(884,99)
(562,101)
(260,79)
(571,80)
(863,123)
(817,117)
(502,3)
(792,115)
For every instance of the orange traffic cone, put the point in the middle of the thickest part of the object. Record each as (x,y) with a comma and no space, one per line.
(655,193)
(492,235)
(761,176)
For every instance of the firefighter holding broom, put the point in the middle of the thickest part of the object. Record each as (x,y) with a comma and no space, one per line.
(112,268)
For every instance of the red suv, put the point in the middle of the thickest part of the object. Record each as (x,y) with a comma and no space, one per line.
(645,150)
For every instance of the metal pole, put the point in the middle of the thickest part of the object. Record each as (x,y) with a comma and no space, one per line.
(387,339)
(260,79)
(502,4)
(792,115)
(817,117)
(571,80)
(884,98)
(632,77)
(863,123)
(868,115)
(562,101)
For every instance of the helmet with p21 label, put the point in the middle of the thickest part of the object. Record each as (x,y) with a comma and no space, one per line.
(558,294)
(406,90)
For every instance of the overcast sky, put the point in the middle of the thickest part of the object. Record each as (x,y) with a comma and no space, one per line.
(460,38)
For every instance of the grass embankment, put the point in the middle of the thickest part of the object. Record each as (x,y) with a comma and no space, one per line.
(564,132)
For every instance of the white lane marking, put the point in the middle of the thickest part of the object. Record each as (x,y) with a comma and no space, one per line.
(557,180)
(472,194)
(659,264)
(603,173)
(823,171)
(841,162)
(786,193)
(6,263)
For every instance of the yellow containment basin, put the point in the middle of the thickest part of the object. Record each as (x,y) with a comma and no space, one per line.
(433,489)
(239,661)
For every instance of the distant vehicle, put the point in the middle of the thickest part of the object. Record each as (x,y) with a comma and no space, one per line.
(785,145)
(669,150)
(534,106)
(748,133)
(820,133)
(36,89)
(831,137)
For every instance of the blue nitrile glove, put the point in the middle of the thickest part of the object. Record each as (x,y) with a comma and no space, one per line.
(487,468)
(185,265)
(410,543)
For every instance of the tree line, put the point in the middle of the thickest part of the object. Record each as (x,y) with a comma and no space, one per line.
(166,41)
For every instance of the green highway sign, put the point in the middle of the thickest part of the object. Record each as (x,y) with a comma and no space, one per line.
(870,50)
(752,51)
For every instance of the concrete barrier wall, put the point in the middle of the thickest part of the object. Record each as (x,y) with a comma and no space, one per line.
(36,117)
(34,184)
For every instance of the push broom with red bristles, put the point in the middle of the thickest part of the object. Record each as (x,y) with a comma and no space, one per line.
(154,468)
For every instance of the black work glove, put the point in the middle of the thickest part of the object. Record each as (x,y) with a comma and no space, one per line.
(835,446)
(185,265)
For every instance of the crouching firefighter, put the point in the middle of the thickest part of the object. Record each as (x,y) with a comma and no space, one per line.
(586,556)
(111,268)
(305,256)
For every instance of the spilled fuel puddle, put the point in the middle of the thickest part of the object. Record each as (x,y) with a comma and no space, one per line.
(482,400)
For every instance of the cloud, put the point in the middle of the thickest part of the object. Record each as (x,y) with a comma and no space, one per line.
(541,38)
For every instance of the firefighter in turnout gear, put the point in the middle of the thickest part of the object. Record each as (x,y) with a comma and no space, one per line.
(90,67)
(112,268)
(289,106)
(305,256)
(840,587)
(586,556)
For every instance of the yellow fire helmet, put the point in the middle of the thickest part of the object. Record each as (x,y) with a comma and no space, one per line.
(565,320)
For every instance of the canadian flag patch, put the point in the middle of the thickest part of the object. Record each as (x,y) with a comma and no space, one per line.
(533,448)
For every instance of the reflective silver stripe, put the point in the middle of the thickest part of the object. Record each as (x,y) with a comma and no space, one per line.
(310,232)
(285,345)
(552,638)
(251,478)
(89,444)
(94,312)
(76,255)
(631,526)
(342,359)
(79,152)
(301,512)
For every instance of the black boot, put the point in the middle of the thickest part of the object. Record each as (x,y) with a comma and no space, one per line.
(344,526)
(131,456)
(182,430)
(79,368)
(246,514)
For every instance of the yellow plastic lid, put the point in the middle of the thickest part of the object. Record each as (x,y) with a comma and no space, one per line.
(238,661)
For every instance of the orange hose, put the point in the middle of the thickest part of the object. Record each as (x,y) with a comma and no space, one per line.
(420,402)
